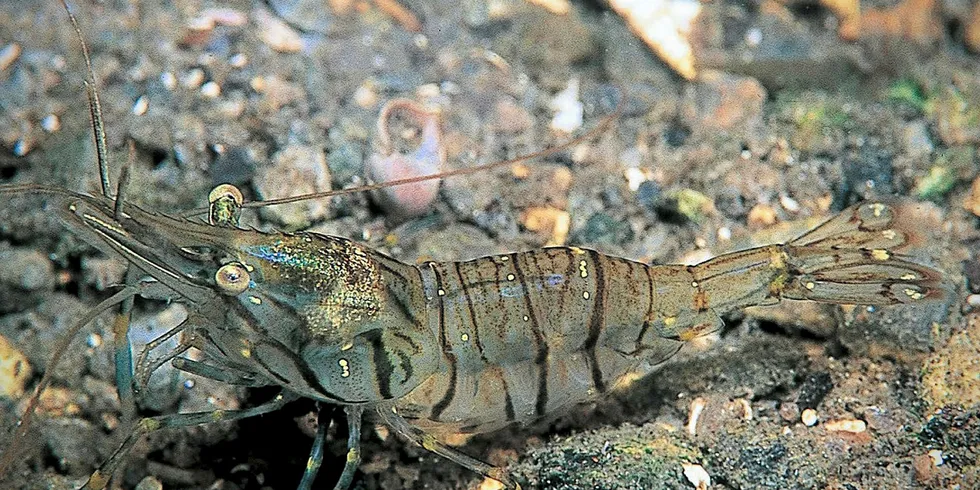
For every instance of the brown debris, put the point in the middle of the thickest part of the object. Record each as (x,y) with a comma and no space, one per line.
(14,370)
(761,215)
(912,20)
(402,15)
(950,374)
(554,222)
(972,202)
(972,35)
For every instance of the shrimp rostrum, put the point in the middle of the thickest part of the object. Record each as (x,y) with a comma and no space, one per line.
(448,347)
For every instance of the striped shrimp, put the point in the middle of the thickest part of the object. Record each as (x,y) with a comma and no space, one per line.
(440,348)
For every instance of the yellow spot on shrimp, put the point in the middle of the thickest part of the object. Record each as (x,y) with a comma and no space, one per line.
(880,254)
(909,277)
(810,285)
(504,258)
(526,318)
(911,293)
(255,300)
(246,351)
(577,251)
(694,284)
(583,269)
(345,368)
(347,346)
(586,295)
(670,321)
(777,259)
(441,292)
(877,208)
(464,337)
(510,277)
(889,234)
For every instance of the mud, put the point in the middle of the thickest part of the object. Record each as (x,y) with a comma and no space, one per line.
(751,152)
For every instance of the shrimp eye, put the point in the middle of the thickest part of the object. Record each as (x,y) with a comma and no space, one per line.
(232,278)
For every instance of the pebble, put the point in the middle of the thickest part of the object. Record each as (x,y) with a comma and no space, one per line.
(26,269)
(789,411)
(853,426)
(149,483)
(972,201)
(923,468)
(277,34)
(14,370)
(697,475)
(809,417)
(51,123)
(972,34)
(916,139)
(723,101)
(294,170)
(211,90)
(9,54)
(761,216)
(546,219)
(789,204)
(697,407)
(605,229)
(509,117)
(569,110)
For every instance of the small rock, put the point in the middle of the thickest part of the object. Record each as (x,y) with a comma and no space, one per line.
(15,370)
(9,54)
(880,420)
(722,101)
(916,139)
(548,220)
(509,117)
(924,468)
(972,202)
(149,483)
(70,443)
(761,216)
(603,228)
(789,411)
(277,34)
(848,425)
(950,374)
(913,20)
(697,475)
(26,269)
(809,417)
(569,110)
(972,34)
(294,170)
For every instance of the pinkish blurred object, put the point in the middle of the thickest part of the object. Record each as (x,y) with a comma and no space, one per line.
(387,164)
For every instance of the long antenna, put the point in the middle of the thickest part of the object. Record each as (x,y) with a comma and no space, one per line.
(94,107)
(599,129)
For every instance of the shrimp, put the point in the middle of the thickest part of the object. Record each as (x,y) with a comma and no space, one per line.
(438,348)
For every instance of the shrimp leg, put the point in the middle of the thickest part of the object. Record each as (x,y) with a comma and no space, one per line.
(99,479)
(418,436)
(354,415)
